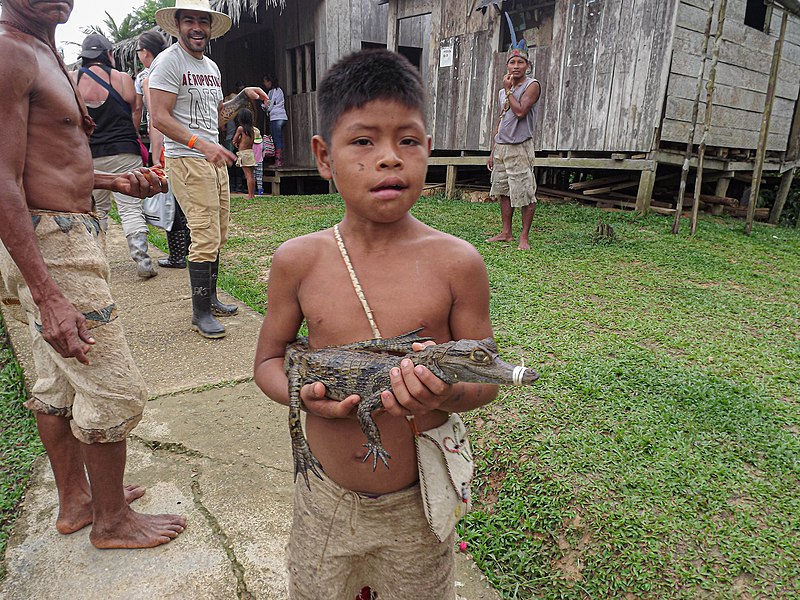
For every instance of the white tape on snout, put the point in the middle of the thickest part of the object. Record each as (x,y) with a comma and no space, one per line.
(517,375)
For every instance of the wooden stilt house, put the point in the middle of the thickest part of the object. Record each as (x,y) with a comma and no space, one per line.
(625,83)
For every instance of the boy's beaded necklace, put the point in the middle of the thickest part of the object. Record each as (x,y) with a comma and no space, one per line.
(356,284)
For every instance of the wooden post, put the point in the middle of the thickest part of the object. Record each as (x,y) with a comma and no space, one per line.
(450,181)
(722,185)
(676,224)
(391,32)
(647,181)
(780,197)
(761,152)
(710,86)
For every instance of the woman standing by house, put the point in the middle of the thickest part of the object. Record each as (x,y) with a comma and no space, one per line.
(277,115)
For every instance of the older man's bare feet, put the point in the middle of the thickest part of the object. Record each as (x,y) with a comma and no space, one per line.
(74,516)
(524,245)
(501,237)
(137,530)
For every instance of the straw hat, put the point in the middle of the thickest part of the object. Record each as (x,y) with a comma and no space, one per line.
(165,17)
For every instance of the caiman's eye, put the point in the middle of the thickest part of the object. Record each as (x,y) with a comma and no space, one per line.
(479,356)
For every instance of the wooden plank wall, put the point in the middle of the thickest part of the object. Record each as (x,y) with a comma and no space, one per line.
(461,96)
(603,77)
(741,81)
(605,82)
(373,22)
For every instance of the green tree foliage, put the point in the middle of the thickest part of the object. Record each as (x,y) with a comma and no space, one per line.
(136,22)
(116,32)
(146,13)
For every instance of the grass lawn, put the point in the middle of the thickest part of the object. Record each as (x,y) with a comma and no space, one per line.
(19,442)
(657,456)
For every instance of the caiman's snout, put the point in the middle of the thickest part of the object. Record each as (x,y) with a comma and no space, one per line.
(523,376)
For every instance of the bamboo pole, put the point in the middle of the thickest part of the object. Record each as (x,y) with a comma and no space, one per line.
(676,223)
(710,88)
(761,152)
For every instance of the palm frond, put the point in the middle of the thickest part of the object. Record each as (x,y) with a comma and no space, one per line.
(236,8)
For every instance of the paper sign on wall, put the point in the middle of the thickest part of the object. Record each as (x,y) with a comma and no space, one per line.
(446,55)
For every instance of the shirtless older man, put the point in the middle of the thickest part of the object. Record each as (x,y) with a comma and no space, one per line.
(89,393)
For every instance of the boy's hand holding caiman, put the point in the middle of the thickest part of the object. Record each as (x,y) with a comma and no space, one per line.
(365,368)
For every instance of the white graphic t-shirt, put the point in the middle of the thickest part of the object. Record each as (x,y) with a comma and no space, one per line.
(198,86)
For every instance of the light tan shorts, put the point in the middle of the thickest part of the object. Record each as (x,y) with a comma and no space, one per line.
(342,541)
(245,158)
(202,191)
(512,174)
(105,398)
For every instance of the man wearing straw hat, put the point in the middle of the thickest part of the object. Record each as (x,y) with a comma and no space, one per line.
(187,107)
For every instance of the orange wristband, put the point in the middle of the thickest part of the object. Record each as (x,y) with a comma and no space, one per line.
(192,140)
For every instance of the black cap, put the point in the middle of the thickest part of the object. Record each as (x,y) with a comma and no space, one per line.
(94,45)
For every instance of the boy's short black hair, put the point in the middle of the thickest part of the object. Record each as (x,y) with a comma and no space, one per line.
(362,77)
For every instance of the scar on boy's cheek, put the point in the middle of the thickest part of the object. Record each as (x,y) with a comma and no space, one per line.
(360,166)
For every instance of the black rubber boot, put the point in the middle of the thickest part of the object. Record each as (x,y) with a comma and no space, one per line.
(203,321)
(217,307)
(178,249)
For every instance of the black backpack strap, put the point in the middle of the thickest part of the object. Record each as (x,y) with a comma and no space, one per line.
(111,91)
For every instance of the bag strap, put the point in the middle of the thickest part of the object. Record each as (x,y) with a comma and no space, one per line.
(111,91)
(356,284)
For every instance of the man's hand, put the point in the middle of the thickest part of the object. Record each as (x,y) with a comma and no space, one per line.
(490,163)
(256,93)
(508,82)
(313,397)
(140,183)
(64,328)
(217,155)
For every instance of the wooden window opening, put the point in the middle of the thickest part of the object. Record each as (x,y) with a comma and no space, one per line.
(302,69)
(532,21)
(757,15)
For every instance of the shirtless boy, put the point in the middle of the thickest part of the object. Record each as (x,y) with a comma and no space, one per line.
(374,145)
(89,393)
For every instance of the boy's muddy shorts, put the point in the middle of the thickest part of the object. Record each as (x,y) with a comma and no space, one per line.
(512,173)
(105,398)
(342,541)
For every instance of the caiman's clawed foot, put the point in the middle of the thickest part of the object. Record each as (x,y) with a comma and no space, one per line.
(377,451)
(305,460)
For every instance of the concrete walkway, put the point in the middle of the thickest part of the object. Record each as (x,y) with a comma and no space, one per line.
(211,446)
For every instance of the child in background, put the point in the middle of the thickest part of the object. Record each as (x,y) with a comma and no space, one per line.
(357,527)
(258,152)
(243,141)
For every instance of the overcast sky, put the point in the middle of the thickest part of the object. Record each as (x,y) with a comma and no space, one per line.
(85,13)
